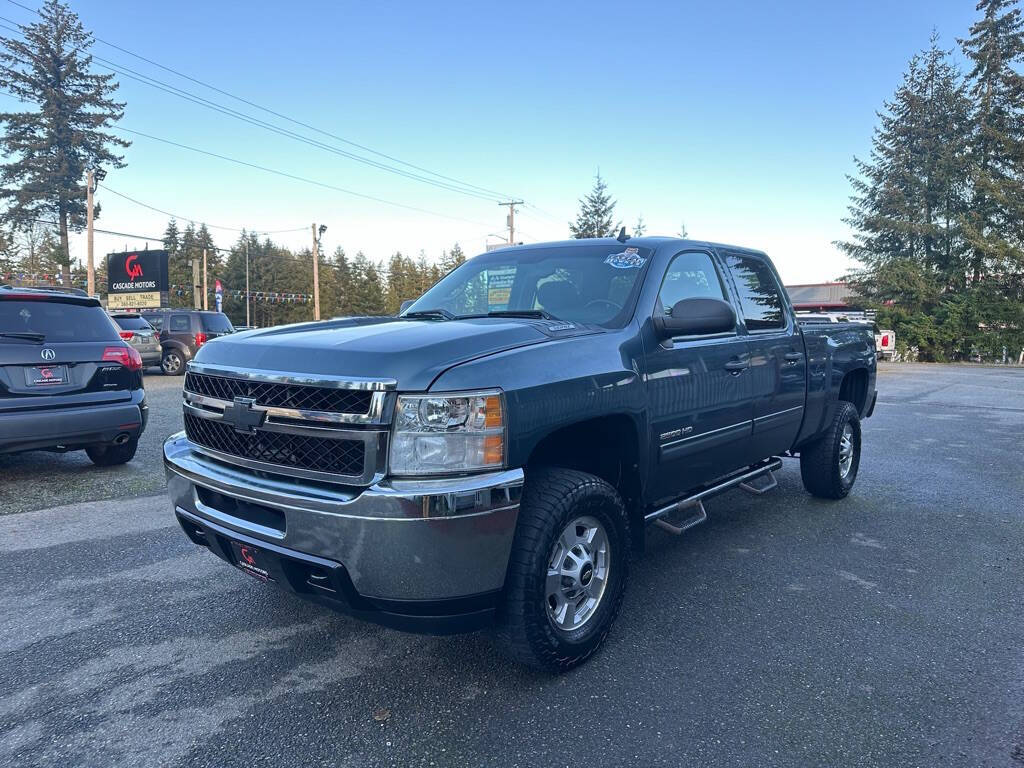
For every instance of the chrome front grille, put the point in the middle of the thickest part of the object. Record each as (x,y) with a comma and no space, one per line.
(295,396)
(290,451)
(323,428)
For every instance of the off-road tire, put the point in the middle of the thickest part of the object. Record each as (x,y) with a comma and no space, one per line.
(110,455)
(820,461)
(170,370)
(552,498)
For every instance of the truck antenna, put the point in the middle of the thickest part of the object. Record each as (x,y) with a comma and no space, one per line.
(623,237)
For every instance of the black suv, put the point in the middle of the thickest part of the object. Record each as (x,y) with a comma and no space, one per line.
(183,332)
(67,379)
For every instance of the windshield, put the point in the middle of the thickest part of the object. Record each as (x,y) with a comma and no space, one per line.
(55,321)
(583,284)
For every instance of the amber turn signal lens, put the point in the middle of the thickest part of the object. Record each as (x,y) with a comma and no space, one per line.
(494,417)
(494,446)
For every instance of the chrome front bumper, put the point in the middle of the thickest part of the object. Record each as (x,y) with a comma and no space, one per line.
(408,540)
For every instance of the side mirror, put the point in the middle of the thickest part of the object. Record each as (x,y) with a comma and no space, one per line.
(696,317)
(405,305)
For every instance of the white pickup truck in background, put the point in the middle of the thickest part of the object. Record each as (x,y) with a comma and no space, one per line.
(885,340)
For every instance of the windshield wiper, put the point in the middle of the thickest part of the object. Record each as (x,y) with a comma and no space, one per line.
(36,337)
(538,314)
(442,313)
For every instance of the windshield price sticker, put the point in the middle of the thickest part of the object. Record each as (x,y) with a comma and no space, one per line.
(628,259)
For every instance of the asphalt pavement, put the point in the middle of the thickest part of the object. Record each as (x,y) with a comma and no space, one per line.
(883,630)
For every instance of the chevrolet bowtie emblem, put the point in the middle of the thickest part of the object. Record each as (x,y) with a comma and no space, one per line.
(242,416)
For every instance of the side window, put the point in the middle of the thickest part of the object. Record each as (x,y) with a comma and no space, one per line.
(690,275)
(759,293)
(157,321)
(180,323)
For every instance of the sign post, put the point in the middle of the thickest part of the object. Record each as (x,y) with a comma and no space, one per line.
(137,280)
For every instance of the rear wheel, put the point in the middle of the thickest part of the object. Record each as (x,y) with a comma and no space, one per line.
(172,363)
(567,570)
(111,454)
(829,466)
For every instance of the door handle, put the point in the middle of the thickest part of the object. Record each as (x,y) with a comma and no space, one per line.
(735,366)
(792,357)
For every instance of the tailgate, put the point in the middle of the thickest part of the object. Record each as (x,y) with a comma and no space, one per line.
(81,374)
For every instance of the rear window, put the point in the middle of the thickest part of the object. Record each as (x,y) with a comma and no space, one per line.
(157,321)
(57,321)
(132,324)
(759,293)
(217,323)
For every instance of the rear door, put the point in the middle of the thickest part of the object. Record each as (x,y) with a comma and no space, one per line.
(778,365)
(179,328)
(699,395)
(52,350)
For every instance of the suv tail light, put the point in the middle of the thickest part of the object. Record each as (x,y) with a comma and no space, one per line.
(200,339)
(126,335)
(126,356)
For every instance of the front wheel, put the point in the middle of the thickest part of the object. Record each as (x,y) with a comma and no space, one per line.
(567,570)
(829,466)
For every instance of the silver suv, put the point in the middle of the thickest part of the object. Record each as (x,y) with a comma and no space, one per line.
(138,332)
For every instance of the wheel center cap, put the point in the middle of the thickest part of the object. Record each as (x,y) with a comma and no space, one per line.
(586,574)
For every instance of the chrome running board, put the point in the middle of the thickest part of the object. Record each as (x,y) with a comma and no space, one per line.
(694,503)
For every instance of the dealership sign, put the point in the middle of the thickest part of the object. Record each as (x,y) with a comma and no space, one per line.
(136,279)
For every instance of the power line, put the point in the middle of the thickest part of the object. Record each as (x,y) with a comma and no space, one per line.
(295,177)
(193,220)
(284,174)
(489,192)
(241,116)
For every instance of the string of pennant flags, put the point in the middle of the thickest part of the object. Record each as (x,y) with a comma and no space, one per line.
(271,297)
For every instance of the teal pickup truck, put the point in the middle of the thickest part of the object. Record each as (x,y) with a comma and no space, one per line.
(492,456)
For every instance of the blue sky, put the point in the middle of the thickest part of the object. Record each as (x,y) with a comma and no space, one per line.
(740,119)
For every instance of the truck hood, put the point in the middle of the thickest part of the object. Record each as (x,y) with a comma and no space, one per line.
(411,352)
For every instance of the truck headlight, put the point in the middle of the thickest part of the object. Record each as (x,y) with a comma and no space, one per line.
(444,434)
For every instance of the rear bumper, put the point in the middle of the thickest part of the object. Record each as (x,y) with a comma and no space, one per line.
(151,357)
(72,428)
(425,556)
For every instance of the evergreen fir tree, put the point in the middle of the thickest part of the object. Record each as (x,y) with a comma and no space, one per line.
(49,150)
(596,216)
(995,223)
(640,227)
(171,237)
(908,201)
(342,306)
(452,259)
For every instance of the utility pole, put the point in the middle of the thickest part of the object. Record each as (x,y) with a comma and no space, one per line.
(90,268)
(512,219)
(247,322)
(195,285)
(316,272)
(206,295)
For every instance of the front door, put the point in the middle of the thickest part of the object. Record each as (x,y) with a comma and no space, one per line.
(698,389)
(778,364)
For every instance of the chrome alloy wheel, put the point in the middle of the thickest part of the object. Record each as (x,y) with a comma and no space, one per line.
(171,363)
(577,573)
(846,451)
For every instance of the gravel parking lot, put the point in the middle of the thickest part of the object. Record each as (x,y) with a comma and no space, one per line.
(39,480)
(884,630)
